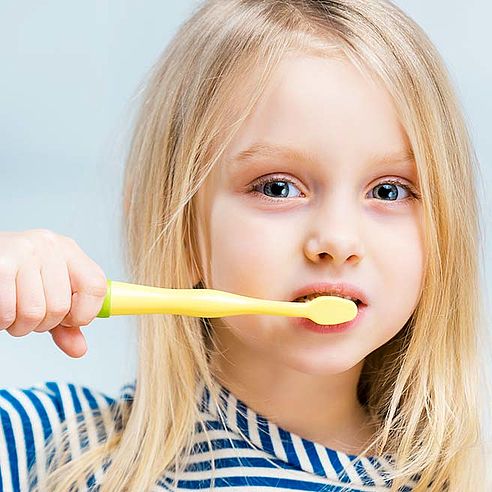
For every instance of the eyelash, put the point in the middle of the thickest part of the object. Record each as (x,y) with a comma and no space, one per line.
(414,195)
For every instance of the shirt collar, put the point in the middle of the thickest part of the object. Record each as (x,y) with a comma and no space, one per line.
(291,448)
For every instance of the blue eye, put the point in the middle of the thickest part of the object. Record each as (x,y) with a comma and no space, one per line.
(274,187)
(388,190)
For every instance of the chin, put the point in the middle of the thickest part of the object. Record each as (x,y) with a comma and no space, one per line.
(319,366)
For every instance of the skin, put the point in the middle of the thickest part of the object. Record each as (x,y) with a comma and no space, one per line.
(328,227)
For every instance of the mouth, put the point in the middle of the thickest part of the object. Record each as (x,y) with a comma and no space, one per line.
(309,297)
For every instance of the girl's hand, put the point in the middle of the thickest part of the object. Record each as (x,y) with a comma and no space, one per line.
(47,283)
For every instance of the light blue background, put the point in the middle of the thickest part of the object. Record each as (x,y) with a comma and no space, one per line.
(69,72)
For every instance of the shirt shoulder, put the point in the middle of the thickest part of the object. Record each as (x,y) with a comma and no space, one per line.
(29,417)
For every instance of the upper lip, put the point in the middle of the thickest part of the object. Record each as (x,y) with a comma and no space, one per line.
(340,289)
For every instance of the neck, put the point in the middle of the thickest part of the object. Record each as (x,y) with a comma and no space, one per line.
(320,408)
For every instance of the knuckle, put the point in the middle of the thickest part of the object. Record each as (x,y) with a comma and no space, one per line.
(7,267)
(33,314)
(96,288)
(46,325)
(58,308)
(99,274)
(71,241)
(43,233)
(15,331)
(49,238)
(27,245)
(80,320)
(6,319)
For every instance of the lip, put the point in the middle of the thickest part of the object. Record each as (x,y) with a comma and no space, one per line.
(329,288)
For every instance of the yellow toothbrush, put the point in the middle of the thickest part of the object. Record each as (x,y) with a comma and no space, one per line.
(123,298)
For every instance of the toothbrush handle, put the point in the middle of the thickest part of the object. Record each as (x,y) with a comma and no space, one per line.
(105,311)
(129,299)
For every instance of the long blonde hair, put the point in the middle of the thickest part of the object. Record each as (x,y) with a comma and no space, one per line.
(423,386)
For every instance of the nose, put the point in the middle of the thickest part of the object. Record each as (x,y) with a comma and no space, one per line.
(334,236)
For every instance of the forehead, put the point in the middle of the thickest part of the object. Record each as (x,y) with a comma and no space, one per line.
(324,106)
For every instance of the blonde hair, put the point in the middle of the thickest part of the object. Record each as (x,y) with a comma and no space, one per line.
(423,386)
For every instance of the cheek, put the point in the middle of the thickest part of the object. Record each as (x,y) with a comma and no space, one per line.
(398,245)
(411,260)
(251,246)
(399,269)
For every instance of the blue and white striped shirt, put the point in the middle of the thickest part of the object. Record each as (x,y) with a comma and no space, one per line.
(275,458)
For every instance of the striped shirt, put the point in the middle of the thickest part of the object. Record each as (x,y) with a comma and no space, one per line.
(269,457)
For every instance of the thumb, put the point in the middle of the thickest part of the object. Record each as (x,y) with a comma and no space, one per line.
(70,340)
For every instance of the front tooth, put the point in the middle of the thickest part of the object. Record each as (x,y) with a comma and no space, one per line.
(313,296)
(337,295)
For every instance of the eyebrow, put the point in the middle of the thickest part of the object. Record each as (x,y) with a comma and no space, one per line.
(266,150)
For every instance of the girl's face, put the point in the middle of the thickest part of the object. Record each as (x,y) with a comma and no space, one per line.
(318,214)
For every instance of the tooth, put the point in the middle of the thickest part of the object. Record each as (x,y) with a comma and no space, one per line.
(309,297)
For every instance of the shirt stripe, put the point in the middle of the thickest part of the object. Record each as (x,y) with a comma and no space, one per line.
(240,449)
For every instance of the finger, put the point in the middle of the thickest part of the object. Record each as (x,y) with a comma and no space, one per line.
(70,340)
(88,284)
(31,306)
(57,293)
(8,300)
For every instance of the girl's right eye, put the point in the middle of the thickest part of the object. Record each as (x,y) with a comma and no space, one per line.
(271,188)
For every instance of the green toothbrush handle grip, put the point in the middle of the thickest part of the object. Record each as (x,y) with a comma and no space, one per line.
(105,311)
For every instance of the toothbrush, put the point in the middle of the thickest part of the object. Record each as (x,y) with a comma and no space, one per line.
(124,298)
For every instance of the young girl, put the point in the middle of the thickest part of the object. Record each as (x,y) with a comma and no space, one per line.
(283,149)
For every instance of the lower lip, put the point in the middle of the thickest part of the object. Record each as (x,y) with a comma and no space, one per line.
(339,328)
